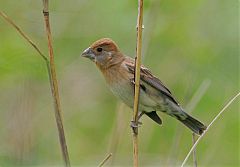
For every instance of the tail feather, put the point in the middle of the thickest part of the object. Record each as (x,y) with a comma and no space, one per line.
(193,124)
(177,112)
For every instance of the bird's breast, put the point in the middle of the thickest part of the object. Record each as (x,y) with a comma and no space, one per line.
(124,91)
(119,82)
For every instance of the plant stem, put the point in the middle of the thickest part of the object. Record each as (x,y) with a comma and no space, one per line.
(215,118)
(51,74)
(137,81)
(194,150)
(197,96)
(105,160)
(54,87)
(23,35)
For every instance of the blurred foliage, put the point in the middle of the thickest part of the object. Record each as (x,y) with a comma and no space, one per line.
(185,43)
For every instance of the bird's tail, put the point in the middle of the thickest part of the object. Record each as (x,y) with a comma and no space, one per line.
(193,124)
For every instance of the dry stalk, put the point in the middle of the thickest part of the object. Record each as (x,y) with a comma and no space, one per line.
(51,74)
(137,81)
(197,96)
(54,87)
(194,151)
(23,35)
(215,118)
(105,160)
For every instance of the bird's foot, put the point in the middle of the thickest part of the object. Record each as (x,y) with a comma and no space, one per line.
(135,126)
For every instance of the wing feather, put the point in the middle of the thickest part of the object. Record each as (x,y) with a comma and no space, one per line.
(150,79)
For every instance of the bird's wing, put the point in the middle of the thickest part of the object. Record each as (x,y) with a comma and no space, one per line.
(147,77)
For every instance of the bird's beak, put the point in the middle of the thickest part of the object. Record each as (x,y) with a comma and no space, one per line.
(88,53)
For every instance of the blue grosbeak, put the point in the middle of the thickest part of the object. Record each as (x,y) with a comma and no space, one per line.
(118,70)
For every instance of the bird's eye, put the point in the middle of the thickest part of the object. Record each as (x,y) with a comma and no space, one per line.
(99,49)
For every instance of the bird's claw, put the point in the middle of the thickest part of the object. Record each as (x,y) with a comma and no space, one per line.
(135,125)
(132,81)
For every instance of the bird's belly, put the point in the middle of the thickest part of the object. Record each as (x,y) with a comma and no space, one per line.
(125,91)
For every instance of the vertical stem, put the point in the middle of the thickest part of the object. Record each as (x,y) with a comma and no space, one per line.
(194,150)
(137,81)
(51,74)
(54,86)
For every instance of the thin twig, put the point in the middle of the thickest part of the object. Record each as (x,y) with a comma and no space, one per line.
(215,118)
(105,160)
(190,107)
(48,65)
(23,35)
(137,81)
(194,151)
(119,127)
(54,87)
(197,96)
(214,144)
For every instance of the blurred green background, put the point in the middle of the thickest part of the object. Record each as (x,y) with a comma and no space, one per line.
(193,46)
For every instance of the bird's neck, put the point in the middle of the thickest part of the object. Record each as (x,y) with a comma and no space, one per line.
(111,63)
(115,72)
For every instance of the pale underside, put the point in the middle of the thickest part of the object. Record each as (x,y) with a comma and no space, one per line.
(124,90)
(150,98)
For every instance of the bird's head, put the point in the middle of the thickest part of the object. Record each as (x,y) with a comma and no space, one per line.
(104,52)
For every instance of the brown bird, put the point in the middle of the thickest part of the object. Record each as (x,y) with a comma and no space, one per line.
(118,70)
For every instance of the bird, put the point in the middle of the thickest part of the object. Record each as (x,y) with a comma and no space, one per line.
(118,71)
